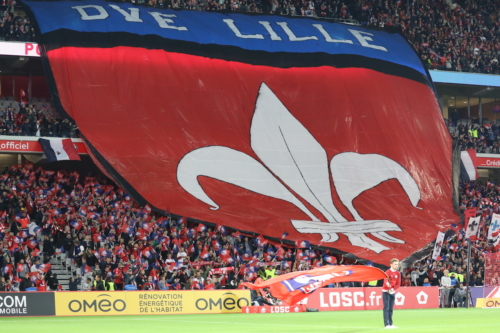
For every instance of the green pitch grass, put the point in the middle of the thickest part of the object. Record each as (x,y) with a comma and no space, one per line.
(432,320)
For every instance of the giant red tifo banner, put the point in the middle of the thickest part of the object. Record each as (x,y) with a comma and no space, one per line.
(268,124)
(333,299)
(295,286)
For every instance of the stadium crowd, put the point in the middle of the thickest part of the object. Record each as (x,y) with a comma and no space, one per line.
(100,232)
(484,138)
(28,120)
(452,261)
(106,240)
(13,27)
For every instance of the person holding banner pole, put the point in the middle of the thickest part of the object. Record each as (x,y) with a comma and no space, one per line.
(391,284)
(472,229)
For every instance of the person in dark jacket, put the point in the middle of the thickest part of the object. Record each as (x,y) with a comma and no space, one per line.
(48,247)
(73,283)
(25,283)
(90,258)
(98,283)
(53,282)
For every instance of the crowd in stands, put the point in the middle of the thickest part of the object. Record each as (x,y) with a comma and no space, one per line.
(105,237)
(108,241)
(452,261)
(28,119)
(483,138)
(13,27)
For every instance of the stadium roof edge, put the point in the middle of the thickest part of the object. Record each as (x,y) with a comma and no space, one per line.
(465,78)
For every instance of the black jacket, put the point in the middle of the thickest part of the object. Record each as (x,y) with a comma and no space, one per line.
(25,284)
(73,285)
(99,285)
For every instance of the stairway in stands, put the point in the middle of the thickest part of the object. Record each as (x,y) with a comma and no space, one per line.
(63,274)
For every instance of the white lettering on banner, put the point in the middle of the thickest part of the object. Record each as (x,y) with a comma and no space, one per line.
(95,12)
(291,34)
(329,38)
(270,30)
(493,162)
(10,301)
(371,298)
(82,10)
(13,145)
(133,16)
(363,39)
(349,299)
(346,298)
(357,302)
(163,21)
(237,32)
(280,309)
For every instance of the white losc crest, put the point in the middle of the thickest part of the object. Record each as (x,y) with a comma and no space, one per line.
(289,154)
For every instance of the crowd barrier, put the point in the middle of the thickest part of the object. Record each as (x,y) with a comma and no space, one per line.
(105,303)
(108,303)
(334,299)
(19,304)
(488,303)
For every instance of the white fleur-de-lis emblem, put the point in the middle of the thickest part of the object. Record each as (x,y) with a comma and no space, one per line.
(289,154)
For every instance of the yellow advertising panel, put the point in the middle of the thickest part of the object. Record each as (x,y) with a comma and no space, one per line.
(175,302)
(488,303)
(91,303)
(159,302)
(150,302)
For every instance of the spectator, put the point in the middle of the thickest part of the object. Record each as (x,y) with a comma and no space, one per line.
(25,283)
(460,295)
(53,282)
(445,291)
(98,283)
(73,283)
(87,285)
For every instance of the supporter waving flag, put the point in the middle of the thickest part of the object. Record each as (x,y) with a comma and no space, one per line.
(43,267)
(204,255)
(7,269)
(295,286)
(33,276)
(302,244)
(32,243)
(77,225)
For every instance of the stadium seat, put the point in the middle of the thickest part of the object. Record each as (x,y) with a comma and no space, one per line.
(34,100)
(31,289)
(43,100)
(10,98)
